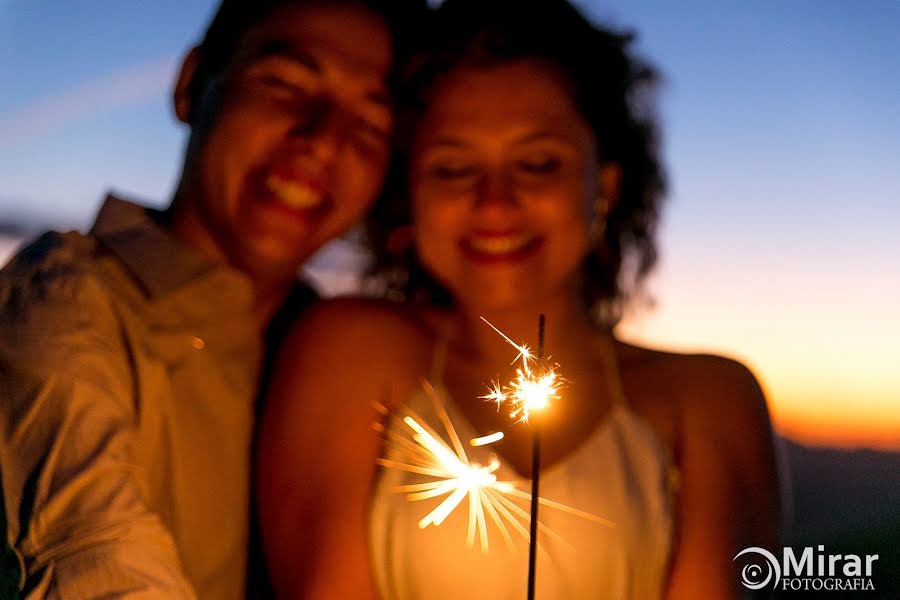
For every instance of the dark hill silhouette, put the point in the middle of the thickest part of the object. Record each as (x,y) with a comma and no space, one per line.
(848,501)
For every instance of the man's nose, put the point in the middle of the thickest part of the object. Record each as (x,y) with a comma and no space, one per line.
(323,128)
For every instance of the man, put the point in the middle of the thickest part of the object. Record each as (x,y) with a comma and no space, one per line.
(129,357)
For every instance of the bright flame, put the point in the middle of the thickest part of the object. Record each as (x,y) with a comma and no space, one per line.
(536,384)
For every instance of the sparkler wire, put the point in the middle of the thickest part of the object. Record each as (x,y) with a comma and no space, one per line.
(535,480)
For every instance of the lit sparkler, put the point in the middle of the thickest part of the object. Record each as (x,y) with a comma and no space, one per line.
(536,384)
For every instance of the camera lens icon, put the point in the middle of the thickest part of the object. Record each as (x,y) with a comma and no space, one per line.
(761,569)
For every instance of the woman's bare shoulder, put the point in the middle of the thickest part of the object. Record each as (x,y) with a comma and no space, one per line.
(365,333)
(706,386)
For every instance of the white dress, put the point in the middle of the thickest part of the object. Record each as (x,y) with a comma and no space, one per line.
(620,472)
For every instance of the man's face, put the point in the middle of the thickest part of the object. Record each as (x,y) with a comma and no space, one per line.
(290,146)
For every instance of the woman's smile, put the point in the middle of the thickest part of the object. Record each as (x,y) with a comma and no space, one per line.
(493,247)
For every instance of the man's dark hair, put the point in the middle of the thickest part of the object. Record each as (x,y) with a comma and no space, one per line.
(234,17)
(613,91)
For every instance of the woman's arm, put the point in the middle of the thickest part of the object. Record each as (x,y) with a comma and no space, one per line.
(728,498)
(317,450)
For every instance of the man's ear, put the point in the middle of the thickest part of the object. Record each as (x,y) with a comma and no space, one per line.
(183,85)
(609,182)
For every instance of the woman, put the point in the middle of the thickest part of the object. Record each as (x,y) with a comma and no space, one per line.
(531,187)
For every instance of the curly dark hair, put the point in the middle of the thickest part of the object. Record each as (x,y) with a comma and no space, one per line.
(614,92)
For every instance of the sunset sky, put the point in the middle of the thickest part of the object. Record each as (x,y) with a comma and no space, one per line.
(781,240)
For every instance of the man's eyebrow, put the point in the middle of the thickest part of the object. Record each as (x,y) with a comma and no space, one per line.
(284,49)
(280,48)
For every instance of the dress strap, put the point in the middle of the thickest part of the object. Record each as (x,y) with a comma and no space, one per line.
(439,353)
(611,371)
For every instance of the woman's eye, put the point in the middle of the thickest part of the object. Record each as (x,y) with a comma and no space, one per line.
(453,172)
(274,81)
(540,165)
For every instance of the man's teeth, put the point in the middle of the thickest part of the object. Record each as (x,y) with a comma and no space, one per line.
(293,194)
(500,245)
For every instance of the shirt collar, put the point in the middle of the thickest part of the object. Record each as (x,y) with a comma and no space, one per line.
(161,263)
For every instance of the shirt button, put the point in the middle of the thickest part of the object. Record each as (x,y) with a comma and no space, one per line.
(197,343)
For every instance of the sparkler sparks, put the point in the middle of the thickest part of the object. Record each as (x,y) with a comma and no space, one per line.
(446,470)
(536,384)
(487,439)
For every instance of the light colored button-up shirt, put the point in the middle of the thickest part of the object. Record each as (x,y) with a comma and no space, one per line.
(128,370)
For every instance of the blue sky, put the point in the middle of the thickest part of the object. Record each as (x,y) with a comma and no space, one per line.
(87,106)
(762,100)
(782,137)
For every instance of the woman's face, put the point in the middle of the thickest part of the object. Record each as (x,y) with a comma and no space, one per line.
(504,176)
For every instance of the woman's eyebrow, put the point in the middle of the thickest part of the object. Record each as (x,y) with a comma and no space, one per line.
(442,148)
(542,136)
(446,141)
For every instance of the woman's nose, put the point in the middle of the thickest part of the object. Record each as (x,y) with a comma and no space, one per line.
(495,190)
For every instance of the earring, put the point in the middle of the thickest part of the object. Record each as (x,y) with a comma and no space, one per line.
(598,220)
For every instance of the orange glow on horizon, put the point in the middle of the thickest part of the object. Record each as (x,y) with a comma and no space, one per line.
(827,363)
(839,434)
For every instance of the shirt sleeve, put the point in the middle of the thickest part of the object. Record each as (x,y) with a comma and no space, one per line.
(76,498)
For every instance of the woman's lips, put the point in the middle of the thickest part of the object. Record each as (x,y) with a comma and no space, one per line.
(499,247)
